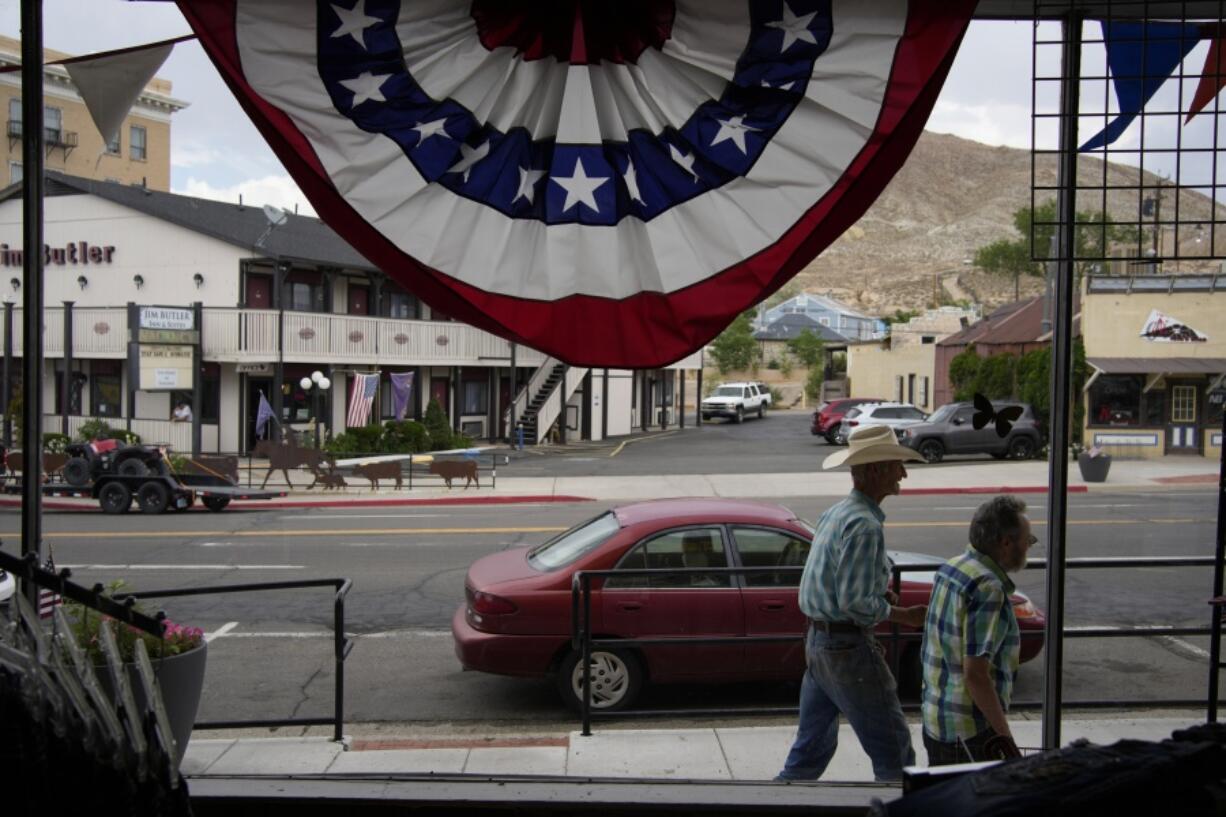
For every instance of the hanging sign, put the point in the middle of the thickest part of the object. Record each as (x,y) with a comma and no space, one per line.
(164,367)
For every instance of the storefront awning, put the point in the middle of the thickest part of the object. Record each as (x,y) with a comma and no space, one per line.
(1158,365)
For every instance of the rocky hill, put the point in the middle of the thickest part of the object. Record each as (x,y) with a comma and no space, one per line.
(950,198)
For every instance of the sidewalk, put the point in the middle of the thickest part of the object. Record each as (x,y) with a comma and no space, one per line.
(714,754)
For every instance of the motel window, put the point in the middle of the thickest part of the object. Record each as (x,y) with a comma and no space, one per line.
(1121,400)
(53,125)
(74,398)
(137,146)
(476,396)
(106,395)
(113,147)
(210,397)
(399,305)
(304,296)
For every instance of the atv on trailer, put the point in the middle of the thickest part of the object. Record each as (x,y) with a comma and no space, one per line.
(89,461)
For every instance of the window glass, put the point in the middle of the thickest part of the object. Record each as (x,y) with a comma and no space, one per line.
(15,116)
(136,143)
(53,121)
(113,147)
(476,396)
(106,395)
(1115,400)
(304,297)
(1183,404)
(15,172)
(570,546)
(852,414)
(759,547)
(912,414)
(942,414)
(1213,413)
(399,305)
(965,414)
(886,414)
(729,391)
(690,548)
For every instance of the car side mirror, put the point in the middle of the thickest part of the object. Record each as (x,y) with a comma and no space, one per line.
(957,421)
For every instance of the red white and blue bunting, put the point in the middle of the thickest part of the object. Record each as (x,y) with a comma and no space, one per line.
(610,183)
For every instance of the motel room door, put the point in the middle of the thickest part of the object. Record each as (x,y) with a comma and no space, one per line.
(1183,420)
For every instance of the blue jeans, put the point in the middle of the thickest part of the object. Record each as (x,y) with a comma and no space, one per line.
(847,674)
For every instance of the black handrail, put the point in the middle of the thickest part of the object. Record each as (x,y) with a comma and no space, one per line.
(342,646)
(581,635)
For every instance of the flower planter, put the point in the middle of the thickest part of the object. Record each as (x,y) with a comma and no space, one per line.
(181,679)
(1094,469)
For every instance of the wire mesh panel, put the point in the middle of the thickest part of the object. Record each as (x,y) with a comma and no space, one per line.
(1150,180)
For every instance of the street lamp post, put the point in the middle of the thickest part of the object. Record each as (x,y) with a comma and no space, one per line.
(315,385)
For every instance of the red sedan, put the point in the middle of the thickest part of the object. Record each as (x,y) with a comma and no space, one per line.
(516,619)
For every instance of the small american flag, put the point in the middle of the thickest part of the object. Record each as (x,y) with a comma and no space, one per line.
(48,600)
(361,399)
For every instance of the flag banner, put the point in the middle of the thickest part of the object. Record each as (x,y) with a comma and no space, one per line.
(361,399)
(263,414)
(609,183)
(110,85)
(402,387)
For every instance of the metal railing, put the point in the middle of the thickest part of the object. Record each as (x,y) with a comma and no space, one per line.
(415,469)
(341,646)
(583,640)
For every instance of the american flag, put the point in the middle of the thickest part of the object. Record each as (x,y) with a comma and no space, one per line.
(48,600)
(361,399)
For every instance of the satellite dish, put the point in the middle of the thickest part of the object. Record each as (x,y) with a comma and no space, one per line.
(275,215)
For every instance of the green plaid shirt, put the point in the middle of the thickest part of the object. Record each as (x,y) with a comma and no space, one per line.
(848,572)
(969,614)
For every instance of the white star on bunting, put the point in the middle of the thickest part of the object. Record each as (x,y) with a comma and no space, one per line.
(469,156)
(435,127)
(354,22)
(580,187)
(794,28)
(685,160)
(732,130)
(631,178)
(527,184)
(366,86)
(783,86)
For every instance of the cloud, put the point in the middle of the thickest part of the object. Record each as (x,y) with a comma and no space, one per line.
(280,191)
(1001,123)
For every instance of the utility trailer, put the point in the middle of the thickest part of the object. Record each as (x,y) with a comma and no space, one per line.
(155,493)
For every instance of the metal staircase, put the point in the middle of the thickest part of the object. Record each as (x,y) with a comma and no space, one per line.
(531,417)
(539,403)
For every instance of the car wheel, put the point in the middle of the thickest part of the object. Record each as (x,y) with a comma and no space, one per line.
(740,414)
(115,498)
(932,451)
(76,472)
(617,677)
(761,410)
(831,438)
(153,497)
(1022,448)
(133,468)
(216,504)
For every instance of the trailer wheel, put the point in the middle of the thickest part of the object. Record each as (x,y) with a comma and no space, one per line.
(152,497)
(76,472)
(115,498)
(216,504)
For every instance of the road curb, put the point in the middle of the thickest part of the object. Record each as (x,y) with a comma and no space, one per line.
(91,505)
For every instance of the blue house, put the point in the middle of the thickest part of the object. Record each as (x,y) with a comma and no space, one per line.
(829,313)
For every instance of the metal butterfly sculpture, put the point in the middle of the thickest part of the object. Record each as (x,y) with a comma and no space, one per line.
(985,413)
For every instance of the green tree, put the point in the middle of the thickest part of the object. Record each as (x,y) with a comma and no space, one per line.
(995,380)
(901,316)
(813,384)
(735,347)
(438,427)
(964,373)
(807,348)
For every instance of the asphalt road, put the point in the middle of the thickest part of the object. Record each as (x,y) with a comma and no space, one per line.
(272,651)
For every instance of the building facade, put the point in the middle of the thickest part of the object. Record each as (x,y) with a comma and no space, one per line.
(277,301)
(1156,353)
(139,155)
(829,313)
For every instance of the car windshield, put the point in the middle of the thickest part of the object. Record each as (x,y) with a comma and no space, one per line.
(728,391)
(943,413)
(564,549)
(852,414)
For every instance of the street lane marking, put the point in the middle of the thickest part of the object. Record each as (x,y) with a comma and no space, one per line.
(186,567)
(220,631)
(298,517)
(1184,649)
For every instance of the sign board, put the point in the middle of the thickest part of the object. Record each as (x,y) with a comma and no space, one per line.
(164,367)
(1217,397)
(254,368)
(187,336)
(167,317)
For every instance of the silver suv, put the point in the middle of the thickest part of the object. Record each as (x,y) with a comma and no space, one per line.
(895,415)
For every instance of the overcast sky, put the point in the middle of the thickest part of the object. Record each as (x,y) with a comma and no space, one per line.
(987,97)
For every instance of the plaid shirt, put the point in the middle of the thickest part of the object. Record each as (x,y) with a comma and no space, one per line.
(969,614)
(848,572)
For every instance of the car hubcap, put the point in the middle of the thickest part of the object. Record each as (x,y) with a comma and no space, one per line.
(610,680)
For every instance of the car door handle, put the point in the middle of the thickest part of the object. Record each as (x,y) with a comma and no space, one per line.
(771,605)
(630,606)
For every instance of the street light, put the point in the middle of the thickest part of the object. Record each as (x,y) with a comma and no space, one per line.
(315,386)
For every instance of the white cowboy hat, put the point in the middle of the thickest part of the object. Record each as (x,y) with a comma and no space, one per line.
(871,444)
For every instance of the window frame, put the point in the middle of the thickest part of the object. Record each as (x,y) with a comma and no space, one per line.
(138,150)
(732,582)
(743,579)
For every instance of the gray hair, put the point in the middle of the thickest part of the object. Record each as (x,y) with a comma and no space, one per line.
(996,519)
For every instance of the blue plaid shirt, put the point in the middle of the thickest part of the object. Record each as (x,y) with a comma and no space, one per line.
(969,614)
(848,572)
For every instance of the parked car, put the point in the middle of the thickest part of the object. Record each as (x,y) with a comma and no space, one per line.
(516,618)
(736,401)
(895,415)
(951,430)
(828,415)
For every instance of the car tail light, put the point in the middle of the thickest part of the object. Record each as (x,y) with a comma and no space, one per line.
(853,423)
(1024,609)
(487,604)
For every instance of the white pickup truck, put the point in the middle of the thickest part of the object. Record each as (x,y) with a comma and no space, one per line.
(736,401)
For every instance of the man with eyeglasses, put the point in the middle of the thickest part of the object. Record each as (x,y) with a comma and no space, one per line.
(971,642)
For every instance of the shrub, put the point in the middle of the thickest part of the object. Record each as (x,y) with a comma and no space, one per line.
(126,437)
(405,437)
(995,380)
(813,384)
(964,373)
(95,429)
(362,440)
(776,397)
(54,443)
(438,427)
(772,364)
(786,366)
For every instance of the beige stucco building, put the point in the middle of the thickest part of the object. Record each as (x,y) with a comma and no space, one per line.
(1156,351)
(902,366)
(140,155)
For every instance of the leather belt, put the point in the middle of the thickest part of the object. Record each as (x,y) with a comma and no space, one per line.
(836,626)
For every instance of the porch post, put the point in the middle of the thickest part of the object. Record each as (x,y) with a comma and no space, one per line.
(6,391)
(698,397)
(66,381)
(514,391)
(198,378)
(455,397)
(278,372)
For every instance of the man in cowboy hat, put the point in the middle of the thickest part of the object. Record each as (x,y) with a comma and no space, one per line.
(844,591)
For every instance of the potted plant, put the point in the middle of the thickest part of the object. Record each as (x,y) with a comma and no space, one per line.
(1093,462)
(178,660)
